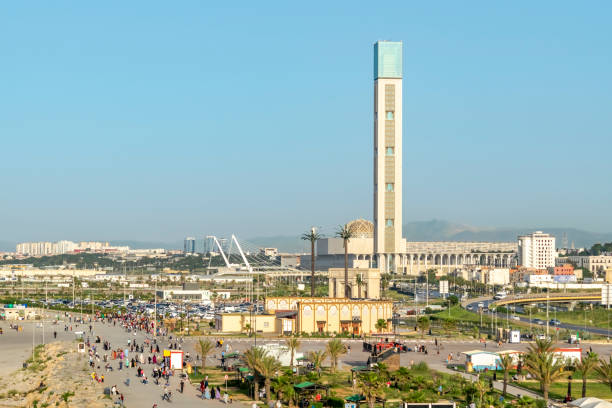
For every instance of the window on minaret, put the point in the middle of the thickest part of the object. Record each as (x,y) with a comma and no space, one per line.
(389,151)
(390,187)
(389,115)
(389,222)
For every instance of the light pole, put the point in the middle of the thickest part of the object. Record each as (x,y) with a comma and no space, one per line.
(547,305)
(426,288)
(155,311)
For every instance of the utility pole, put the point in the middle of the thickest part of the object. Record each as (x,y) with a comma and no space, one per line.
(608,308)
(426,288)
(155,313)
(547,304)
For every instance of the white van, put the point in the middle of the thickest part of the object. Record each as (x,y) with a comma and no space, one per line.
(500,295)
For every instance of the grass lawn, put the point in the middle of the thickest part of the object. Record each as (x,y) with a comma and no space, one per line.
(559,390)
(595,318)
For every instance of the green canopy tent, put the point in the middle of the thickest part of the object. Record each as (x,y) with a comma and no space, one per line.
(357,370)
(307,389)
(229,361)
(358,399)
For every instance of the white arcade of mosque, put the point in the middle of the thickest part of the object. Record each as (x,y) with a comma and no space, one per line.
(418,257)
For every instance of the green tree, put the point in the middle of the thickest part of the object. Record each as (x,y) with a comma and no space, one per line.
(604,372)
(252,358)
(475,332)
(313,236)
(360,283)
(285,389)
(481,389)
(346,233)
(317,358)
(423,324)
(448,325)
(204,347)
(506,364)
(292,343)
(371,386)
(380,325)
(454,300)
(543,365)
(584,367)
(335,348)
(268,367)
(385,279)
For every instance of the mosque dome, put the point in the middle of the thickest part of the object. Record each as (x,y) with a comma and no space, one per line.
(361,228)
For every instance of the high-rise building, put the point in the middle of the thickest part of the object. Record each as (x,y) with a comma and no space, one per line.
(388,242)
(537,250)
(189,245)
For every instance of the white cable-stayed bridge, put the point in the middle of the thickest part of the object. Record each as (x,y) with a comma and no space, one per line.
(244,259)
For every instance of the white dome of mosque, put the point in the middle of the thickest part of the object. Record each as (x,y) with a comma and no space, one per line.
(361,228)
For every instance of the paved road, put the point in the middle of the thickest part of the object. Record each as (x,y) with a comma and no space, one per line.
(473,306)
(141,395)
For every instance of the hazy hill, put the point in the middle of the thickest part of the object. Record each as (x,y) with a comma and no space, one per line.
(439,230)
(432,230)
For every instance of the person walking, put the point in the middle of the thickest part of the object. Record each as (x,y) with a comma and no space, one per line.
(182,385)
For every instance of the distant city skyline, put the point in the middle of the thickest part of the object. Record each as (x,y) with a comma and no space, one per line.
(507,114)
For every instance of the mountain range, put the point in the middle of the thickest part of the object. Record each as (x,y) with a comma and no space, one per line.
(440,230)
(432,230)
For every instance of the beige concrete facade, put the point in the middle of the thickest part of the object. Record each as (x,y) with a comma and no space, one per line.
(320,315)
(369,288)
(245,322)
(388,241)
(417,257)
(596,264)
(323,315)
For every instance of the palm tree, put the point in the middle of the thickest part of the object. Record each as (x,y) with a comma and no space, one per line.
(312,236)
(293,343)
(385,278)
(346,233)
(204,347)
(268,367)
(285,388)
(335,348)
(252,358)
(449,325)
(423,324)
(381,324)
(506,364)
(317,358)
(541,346)
(584,367)
(481,389)
(371,386)
(543,365)
(359,281)
(604,372)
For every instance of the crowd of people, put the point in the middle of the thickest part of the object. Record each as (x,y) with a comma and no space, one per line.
(133,356)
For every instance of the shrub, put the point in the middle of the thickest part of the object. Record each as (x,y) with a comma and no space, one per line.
(334,402)
(420,367)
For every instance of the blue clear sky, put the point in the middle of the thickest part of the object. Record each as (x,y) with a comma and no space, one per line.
(155,120)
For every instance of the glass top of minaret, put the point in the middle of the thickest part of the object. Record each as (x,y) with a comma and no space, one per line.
(388,59)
